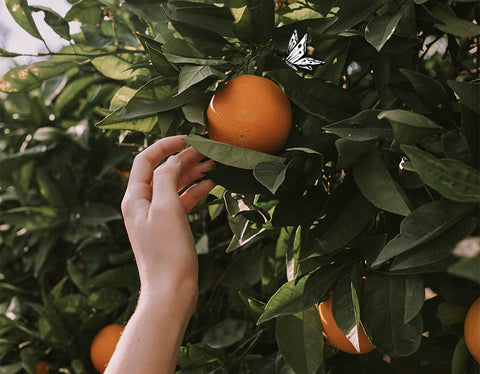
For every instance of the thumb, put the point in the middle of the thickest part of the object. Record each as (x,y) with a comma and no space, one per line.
(166,177)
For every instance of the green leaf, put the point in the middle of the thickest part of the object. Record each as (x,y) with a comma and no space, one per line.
(451,313)
(77,277)
(34,218)
(158,95)
(296,13)
(107,299)
(437,248)
(243,230)
(157,57)
(351,13)
(471,131)
(414,297)
(97,213)
(199,355)
(47,244)
(124,276)
(255,306)
(451,178)
(430,91)
(348,225)
(26,78)
(320,99)
(383,314)
(345,308)
(174,59)
(409,127)
(14,161)
(87,12)
(422,225)
(72,303)
(145,124)
(225,333)
(451,24)
(191,75)
(377,185)
(48,189)
(316,24)
(230,155)
(299,338)
(349,152)
(468,92)
(406,118)
(194,112)
(122,97)
(237,204)
(254,22)
(455,145)
(55,21)
(270,174)
(207,42)
(363,126)
(22,15)
(11,368)
(71,92)
(461,357)
(115,66)
(301,293)
(467,268)
(335,52)
(176,45)
(209,17)
(381,28)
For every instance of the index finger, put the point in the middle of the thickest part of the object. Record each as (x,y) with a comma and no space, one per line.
(145,162)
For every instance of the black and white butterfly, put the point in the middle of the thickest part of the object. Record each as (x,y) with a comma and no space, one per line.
(296,51)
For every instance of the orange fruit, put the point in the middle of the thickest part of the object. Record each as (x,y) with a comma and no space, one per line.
(335,336)
(471,330)
(43,367)
(103,346)
(250,112)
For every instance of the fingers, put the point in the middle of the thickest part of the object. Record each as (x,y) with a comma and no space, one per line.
(190,156)
(168,179)
(194,194)
(193,173)
(165,182)
(145,162)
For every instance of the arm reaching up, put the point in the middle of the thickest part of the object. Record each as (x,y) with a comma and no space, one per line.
(158,229)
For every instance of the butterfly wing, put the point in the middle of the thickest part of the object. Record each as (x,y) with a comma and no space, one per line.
(308,63)
(298,51)
(293,42)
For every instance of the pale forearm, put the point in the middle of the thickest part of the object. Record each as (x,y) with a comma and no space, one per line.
(162,241)
(152,337)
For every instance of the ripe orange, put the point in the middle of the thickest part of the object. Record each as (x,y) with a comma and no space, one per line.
(335,336)
(103,345)
(43,367)
(471,330)
(250,112)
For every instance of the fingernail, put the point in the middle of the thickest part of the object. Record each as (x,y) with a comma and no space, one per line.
(173,160)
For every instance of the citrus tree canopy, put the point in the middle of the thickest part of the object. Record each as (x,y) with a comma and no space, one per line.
(371,190)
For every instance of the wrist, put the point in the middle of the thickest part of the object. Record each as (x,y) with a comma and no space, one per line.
(180,297)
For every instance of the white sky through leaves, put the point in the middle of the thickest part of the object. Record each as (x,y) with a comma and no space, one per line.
(14,39)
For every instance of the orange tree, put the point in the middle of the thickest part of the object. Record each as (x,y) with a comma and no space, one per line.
(374,194)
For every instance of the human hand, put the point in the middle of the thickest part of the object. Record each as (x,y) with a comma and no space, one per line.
(156,221)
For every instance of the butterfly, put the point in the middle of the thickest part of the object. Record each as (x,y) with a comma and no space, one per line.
(295,52)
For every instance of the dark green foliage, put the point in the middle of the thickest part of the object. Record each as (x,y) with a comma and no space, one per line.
(373,190)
